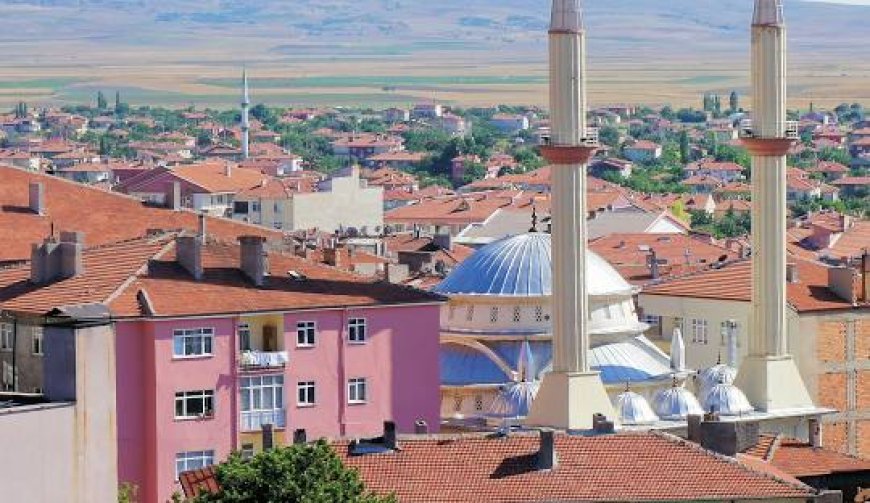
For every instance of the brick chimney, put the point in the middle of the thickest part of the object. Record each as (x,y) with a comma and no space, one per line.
(37,198)
(653,264)
(333,256)
(254,261)
(175,203)
(53,260)
(727,437)
(791,272)
(421,427)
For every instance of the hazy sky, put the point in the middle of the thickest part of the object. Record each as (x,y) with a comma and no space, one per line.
(853,2)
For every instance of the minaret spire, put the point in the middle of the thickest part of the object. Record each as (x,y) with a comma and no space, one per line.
(768,375)
(246,124)
(571,393)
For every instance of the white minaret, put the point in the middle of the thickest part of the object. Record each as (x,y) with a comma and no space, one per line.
(768,375)
(246,123)
(571,393)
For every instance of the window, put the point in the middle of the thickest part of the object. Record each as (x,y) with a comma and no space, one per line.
(305,393)
(247,451)
(493,314)
(356,390)
(539,314)
(457,403)
(193,342)
(652,320)
(305,333)
(262,401)
(699,331)
(244,337)
(36,341)
(469,313)
(192,460)
(517,314)
(356,330)
(193,404)
(478,402)
(255,207)
(8,377)
(6,331)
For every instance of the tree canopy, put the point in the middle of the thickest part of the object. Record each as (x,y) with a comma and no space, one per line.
(304,473)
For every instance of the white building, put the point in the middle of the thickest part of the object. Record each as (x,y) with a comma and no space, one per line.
(341,202)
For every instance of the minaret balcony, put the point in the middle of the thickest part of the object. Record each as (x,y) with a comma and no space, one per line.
(747,131)
(590,139)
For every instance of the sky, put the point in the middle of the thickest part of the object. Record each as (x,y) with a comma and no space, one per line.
(851,2)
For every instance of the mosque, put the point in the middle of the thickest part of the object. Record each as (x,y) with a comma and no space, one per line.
(541,331)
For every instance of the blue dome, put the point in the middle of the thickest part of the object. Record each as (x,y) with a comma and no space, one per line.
(522,266)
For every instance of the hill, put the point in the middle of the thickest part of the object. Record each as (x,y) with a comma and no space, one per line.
(350,51)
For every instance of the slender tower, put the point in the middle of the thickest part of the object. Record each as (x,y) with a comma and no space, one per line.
(571,393)
(768,375)
(246,123)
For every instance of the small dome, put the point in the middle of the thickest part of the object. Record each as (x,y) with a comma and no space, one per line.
(522,266)
(632,408)
(727,400)
(717,374)
(514,400)
(676,404)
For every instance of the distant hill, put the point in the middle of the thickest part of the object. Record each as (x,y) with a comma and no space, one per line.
(123,41)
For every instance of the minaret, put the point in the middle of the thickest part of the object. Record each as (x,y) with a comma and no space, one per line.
(571,393)
(246,124)
(768,375)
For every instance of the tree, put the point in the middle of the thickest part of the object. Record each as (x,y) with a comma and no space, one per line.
(684,147)
(305,473)
(733,102)
(101,101)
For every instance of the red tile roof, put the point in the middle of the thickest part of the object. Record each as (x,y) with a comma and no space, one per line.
(800,459)
(733,282)
(119,275)
(853,180)
(621,467)
(104,217)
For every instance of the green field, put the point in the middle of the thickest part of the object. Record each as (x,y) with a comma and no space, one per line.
(345,81)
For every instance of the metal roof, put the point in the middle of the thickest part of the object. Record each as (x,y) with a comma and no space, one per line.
(522,266)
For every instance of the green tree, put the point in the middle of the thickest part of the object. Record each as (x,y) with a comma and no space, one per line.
(102,104)
(684,147)
(609,135)
(304,473)
(128,493)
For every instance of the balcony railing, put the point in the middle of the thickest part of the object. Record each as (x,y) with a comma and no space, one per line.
(255,419)
(256,360)
(747,131)
(589,140)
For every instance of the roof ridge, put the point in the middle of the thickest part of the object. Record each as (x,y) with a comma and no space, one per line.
(138,272)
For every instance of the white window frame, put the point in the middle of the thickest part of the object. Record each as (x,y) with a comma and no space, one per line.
(357,330)
(192,460)
(37,341)
(652,320)
(205,396)
(205,336)
(306,334)
(700,331)
(7,331)
(357,390)
(261,401)
(306,394)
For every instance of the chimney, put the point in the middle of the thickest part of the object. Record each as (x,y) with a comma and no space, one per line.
(176,196)
(300,436)
(865,275)
(653,264)
(791,272)
(333,256)
(188,254)
(845,222)
(37,198)
(254,261)
(421,427)
(53,260)
(390,441)
(201,231)
(268,438)
(841,281)
(728,437)
(601,425)
(443,241)
(228,170)
(547,458)
(397,273)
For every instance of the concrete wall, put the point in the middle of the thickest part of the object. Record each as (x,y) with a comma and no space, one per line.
(346,204)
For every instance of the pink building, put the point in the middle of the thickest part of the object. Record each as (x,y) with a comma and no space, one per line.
(215,340)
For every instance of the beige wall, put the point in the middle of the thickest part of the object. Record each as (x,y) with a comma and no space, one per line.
(346,203)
